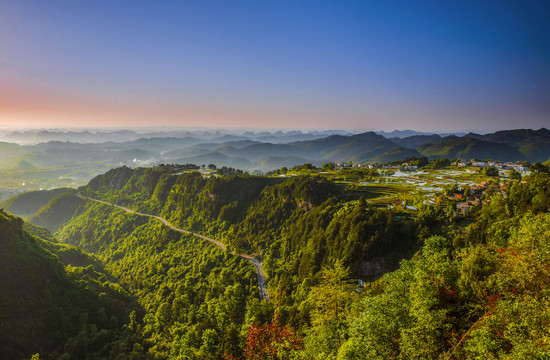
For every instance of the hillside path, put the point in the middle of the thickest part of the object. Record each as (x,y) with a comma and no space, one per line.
(257,265)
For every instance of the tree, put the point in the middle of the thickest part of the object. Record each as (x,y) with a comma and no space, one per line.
(490,171)
(328,167)
(329,301)
(407,319)
(441,163)
(516,325)
(271,341)
(514,175)
(539,168)
(209,347)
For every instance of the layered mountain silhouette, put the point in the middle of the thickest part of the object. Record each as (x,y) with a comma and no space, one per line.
(250,151)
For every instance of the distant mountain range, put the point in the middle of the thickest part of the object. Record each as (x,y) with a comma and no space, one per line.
(512,145)
(250,151)
(30,137)
(408,133)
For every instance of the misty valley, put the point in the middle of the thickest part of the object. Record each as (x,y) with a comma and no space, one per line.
(47,159)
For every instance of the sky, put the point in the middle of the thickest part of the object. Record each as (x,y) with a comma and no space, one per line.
(363,65)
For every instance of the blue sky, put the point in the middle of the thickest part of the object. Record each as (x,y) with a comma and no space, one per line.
(463,65)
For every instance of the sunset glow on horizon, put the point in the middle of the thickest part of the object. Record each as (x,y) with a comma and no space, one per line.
(353,65)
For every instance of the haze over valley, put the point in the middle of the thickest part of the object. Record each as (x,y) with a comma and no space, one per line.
(45,159)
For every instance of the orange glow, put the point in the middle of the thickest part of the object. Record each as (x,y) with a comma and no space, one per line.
(32,107)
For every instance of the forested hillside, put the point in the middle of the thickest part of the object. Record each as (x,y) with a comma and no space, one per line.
(466,148)
(194,296)
(437,286)
(28,203)
(295,225)
(57,211)
(57,301)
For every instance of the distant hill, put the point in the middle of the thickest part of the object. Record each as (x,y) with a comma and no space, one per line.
(161,144)
(259,151)
(412,142)
(358,148)
(467,148)
(397,153)
(537,151)
(510,145)
(291,137)
(534,144)
(235,144)
(365,147)
(85,136)
(272,162)
(24,165)
(9,151)
(26,204)
(237,151)
(513,137)
(361,147)
(401,134)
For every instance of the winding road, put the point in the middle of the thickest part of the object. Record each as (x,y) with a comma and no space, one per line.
(254,261)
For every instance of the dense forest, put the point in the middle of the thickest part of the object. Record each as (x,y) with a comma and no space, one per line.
(437,286)
(57,300)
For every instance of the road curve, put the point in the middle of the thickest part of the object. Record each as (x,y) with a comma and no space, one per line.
(254,261)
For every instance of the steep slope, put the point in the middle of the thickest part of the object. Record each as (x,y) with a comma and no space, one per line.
(536,151)
(57,211)
(250,211)
(196,297)
(28,203)
(45,307)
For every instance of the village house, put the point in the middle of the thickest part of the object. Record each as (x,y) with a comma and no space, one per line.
(463,208)
(478,163)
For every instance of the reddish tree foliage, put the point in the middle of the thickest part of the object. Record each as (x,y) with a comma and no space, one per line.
(270,341)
